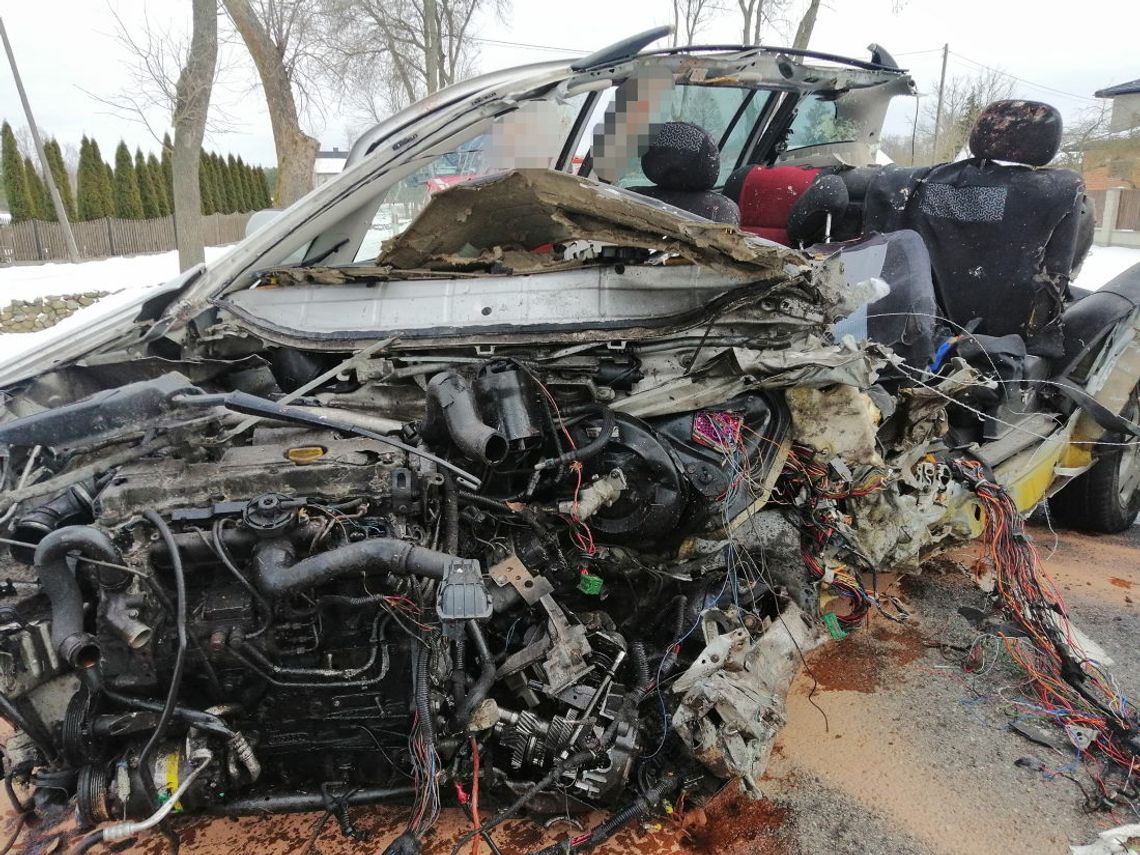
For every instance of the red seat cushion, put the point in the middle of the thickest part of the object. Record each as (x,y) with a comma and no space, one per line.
(767,196)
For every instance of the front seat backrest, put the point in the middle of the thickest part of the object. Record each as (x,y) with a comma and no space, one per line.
(683,163)
(1003,234)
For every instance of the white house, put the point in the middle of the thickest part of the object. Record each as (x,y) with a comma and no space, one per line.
(327,165)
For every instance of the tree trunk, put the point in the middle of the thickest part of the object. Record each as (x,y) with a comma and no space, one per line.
(192,103)
(296,150)
(807,24)
(431,46)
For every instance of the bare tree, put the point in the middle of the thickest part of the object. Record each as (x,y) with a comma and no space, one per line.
(963,100)
(689,17)
(807,26)
(1091,129)
(393,52)
(278,35)
(156,55)
(191,107)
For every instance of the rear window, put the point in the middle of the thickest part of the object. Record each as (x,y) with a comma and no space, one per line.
(817,123)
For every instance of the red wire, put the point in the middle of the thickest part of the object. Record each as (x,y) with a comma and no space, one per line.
(475,795)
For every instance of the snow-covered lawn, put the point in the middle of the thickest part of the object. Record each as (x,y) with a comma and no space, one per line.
(119,277)
(28,281)
(1104,263)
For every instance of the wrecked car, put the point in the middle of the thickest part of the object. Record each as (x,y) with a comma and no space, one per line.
(539,482)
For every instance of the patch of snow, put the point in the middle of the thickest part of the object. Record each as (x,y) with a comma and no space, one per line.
(122,277)
(1104,263)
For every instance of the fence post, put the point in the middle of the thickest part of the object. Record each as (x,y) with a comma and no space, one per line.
(36,238)
(1109,217)
(110,236)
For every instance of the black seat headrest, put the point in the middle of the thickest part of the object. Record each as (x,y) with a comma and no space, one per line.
(808,220)
(1027,132)
(681,156)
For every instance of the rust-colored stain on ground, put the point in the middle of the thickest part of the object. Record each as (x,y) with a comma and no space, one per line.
(1120,583)
(731,822)
(859,662)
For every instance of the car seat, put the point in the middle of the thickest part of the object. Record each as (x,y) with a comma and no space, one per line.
(683,163)
(1004,234)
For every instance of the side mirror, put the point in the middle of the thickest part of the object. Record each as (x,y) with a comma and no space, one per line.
(260,219)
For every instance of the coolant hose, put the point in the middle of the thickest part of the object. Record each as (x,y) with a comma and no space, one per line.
(486,676)
(591,449)
(76,647)
(278,573)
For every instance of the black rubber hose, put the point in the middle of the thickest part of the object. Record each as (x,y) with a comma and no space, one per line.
(498,506)
(459,672)
(591,449)
(76,647)
(293,802)
(486,679)
(640,664)
(452,411)
(450,515)
(198,718)
(146,773)
(423,698)
(70,507)
(278,573)
(602,832)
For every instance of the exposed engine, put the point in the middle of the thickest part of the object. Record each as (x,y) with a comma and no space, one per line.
(284,604)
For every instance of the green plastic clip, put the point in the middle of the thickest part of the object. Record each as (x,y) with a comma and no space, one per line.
(833,626)
(590,584)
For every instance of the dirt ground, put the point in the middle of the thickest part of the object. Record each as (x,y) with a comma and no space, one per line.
(889,748)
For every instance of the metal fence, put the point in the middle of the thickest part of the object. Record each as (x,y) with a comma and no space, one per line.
(36,240)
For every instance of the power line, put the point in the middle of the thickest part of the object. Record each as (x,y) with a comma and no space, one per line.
(917,52)
(527,45)
(1024,80)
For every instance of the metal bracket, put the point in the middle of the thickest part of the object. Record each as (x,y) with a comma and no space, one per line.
(511,571)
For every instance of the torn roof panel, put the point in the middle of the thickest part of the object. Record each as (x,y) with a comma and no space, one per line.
(529,208)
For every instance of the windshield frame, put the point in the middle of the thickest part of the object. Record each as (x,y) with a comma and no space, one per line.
(323,218)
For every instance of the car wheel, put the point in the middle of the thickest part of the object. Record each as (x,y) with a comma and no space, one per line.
(1106,498)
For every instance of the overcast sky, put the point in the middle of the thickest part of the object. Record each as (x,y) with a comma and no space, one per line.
(69,55)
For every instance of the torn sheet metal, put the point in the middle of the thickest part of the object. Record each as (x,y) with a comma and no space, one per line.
(809,362)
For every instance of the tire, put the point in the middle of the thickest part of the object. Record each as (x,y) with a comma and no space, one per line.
(1106,498)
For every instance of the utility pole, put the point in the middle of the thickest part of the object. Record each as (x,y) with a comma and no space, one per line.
(938,109)
(60,213)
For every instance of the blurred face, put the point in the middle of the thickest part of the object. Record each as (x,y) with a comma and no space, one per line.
(629,122)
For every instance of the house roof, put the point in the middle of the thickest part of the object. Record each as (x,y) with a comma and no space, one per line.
(1129,88)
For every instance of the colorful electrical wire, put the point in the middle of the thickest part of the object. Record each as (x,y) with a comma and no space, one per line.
(1072,689)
